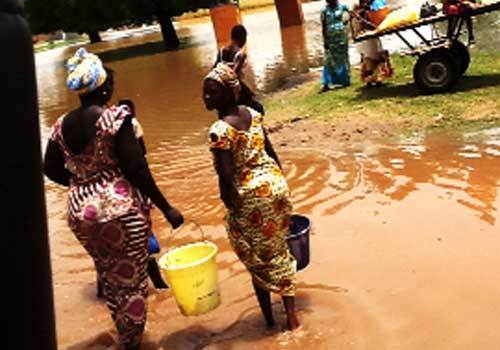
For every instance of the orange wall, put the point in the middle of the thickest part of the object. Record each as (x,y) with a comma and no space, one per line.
(289,12)
(224,18)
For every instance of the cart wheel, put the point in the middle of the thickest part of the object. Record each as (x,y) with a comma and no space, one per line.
(462,52)
(436,71)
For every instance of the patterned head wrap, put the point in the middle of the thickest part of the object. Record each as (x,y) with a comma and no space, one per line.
(226,76)
(85,72)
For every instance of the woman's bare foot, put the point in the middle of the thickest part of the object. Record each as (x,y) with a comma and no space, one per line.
(292,322)
(264,298)
(270,324)
(324,89)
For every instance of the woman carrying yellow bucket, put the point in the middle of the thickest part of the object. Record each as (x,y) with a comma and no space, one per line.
(254,191)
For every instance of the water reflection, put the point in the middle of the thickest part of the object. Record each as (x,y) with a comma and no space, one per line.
(325,184)
(294,45)
(166,85)
(461,172)
(469,172)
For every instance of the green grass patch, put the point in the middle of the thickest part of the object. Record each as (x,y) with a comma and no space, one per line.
(475,97)
(49,45)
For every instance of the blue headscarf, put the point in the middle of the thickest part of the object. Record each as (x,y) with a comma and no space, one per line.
(378,5)
(85,72)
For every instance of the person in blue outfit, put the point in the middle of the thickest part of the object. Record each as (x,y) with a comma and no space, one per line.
(336,69)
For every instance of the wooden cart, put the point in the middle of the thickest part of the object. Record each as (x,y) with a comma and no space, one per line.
(441,58)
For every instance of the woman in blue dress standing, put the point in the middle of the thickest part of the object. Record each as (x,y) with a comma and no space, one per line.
(336,69)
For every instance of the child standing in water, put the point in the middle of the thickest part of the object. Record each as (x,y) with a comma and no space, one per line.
(234,56)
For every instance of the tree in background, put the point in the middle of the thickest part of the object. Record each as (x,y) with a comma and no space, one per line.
(79,16)
(92,16)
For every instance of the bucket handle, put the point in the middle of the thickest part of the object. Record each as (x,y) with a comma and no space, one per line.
(173,232)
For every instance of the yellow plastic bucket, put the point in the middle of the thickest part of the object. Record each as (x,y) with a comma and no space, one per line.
(191,272)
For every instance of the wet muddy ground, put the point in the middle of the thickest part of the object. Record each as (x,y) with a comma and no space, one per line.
(403,252)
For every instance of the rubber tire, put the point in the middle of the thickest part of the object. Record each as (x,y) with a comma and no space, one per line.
(461,51)
(443,62)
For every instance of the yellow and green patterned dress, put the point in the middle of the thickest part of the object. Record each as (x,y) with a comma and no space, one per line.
(258,225)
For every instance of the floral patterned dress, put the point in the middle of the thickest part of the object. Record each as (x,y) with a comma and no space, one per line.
(258,225)
(111,220)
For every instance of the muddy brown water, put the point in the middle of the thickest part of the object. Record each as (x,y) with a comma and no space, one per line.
(404,246)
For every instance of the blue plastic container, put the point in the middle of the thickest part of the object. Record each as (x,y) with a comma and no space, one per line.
(154,246)
(298,240)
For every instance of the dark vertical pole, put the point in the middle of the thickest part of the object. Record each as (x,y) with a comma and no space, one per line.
(94,36)
(289,12)
(170,39)
(30,319)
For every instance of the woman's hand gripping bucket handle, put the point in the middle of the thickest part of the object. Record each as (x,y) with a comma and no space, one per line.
(173,233)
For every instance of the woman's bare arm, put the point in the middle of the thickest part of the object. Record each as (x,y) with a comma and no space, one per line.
(224,168)
(54,166)
(270,149)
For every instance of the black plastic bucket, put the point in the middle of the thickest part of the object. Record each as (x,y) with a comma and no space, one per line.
(298,240)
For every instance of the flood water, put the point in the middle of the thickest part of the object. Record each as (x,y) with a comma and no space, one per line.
(404,248)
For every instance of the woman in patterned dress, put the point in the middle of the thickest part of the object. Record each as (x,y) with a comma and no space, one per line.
(336,68)
(376,63)
(93,150)
(254,191)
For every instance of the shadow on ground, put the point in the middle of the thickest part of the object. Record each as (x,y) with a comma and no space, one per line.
(466,83)
(146,49)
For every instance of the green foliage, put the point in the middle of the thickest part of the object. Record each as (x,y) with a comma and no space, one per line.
(76,15)
(95,15)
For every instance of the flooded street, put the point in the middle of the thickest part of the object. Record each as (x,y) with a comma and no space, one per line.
(406,232)
(404,253)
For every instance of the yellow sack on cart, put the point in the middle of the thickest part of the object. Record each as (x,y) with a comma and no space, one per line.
(403,16)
